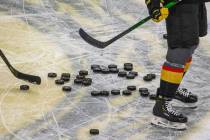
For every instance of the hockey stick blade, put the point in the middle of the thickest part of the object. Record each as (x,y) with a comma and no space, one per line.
(26,77)
(92,41)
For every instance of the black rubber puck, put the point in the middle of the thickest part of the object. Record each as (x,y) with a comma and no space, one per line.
(128,68)
(153,96)
(134,73)
(128,64)
(152,75)
(95,93)
(52,75)
(104,93)
(131,88)
(97,70)
(165,36)
(78,81)
(86,82)
(67,75)
(94,66)
(105,71)
(83,72)
(94,131)
(130,76)
(111,66)
(65,79)
(114,70)
(122,74)
(24,87)
(144,92)
(80,77)
(88,79)
(126,92)
(148,78)
(59,82)
(66,88)
(115,92)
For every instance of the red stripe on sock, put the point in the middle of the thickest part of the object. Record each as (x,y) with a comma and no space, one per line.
(180,70)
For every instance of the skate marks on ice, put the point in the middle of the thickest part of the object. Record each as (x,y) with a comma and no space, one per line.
(32,52)
(70,116)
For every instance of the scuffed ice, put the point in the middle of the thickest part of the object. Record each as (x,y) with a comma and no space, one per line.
(118,118)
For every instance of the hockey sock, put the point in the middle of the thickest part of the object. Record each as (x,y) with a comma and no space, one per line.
(171,77)
(187,65)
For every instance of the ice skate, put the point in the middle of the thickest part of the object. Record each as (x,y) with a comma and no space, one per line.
(166,117)
(185,99)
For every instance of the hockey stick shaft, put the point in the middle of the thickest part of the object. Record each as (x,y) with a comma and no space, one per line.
(102,45)
(29,78)
(169,5)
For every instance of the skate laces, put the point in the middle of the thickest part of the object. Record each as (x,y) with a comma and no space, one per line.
(170,109)
(183,92)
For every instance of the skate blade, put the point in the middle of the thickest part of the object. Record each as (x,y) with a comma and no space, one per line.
(163,123)
(179,104)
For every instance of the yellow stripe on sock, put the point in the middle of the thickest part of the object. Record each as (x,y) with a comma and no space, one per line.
(171,77)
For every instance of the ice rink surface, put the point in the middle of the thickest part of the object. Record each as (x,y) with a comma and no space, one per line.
(41,36)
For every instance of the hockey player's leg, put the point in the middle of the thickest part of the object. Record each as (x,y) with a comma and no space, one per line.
(183,96)
(165,115)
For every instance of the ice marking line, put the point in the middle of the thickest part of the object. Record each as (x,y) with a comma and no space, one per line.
(57,126)
(2,117)
(24,12)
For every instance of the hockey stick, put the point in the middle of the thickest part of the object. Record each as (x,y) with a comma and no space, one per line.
(29,78)
(101,45)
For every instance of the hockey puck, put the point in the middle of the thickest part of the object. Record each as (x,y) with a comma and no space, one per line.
(104,93)
(86,82)
(122,74)
(115,92)
(130,76)
(152,75)
(80,77)
(128,64)
(165,36)
(52,75)
(66,88)
(128,68)
(114,70)
(67,75)
(144,92)
(131,88)
(126,92)
(105,70)
(59,82)
(94,131)
(24,87)
(148,78)
(95,93)
(153,96)
(111,66)
(88,79)
(78,81)
(94,66)
(97,70)
(83,72)
(65,79)
(134,73)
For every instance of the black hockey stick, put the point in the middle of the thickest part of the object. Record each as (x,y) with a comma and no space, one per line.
(26,77)
(101,45)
